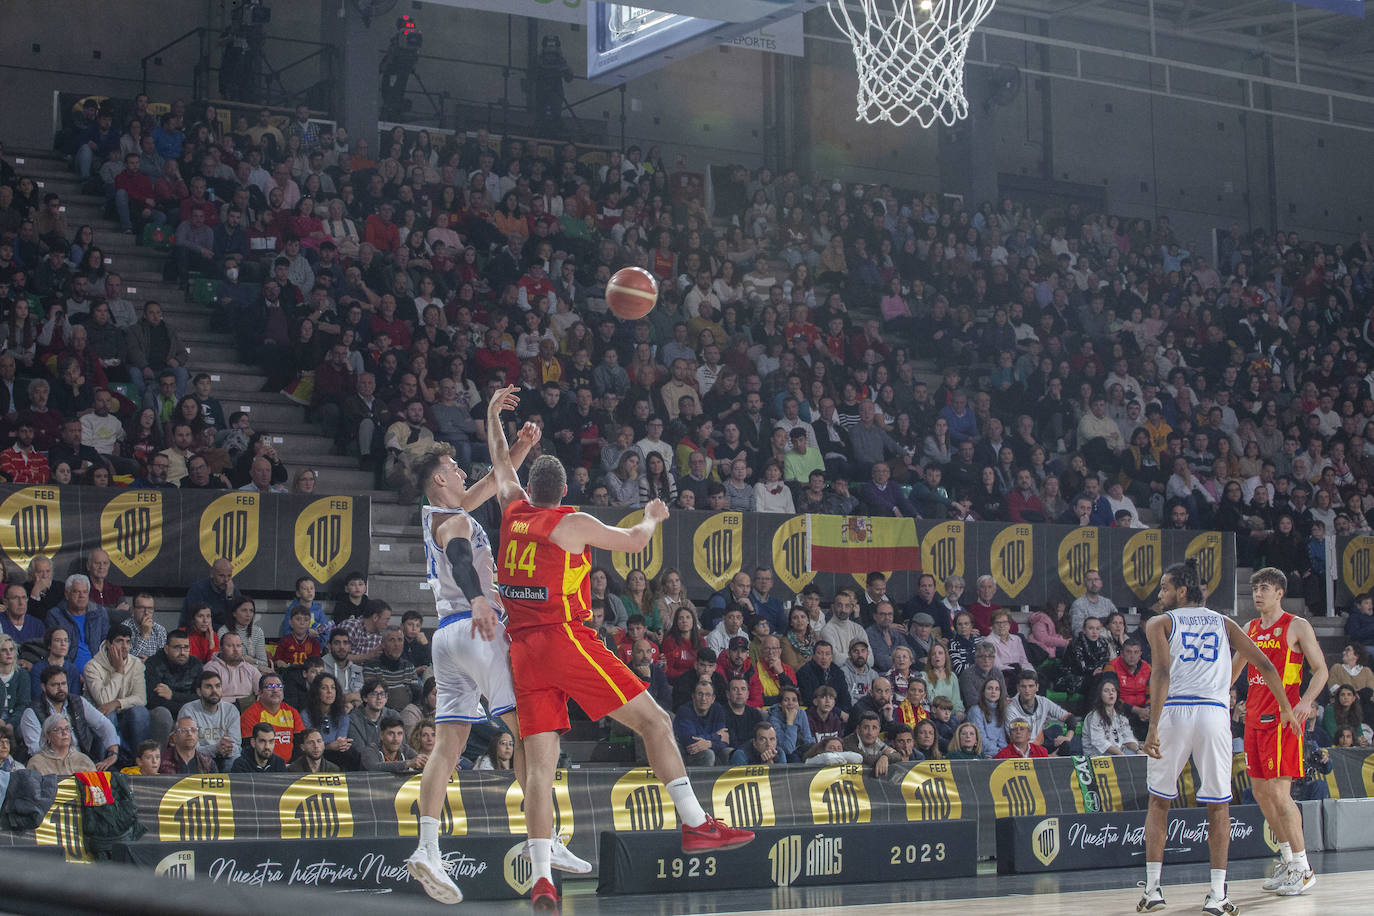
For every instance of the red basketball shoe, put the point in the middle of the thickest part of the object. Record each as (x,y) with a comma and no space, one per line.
(714,835)
(544,897)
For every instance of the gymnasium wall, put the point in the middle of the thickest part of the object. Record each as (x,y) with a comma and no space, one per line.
(1151,154)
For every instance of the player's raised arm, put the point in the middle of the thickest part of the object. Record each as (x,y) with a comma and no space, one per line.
(578,531)
(1157,631)
(1252,654)
(486,488)
(508,487)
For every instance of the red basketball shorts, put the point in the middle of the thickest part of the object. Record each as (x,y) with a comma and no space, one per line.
(1273,753)
(554,664)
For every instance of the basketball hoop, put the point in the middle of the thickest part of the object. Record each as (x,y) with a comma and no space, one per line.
(910,56)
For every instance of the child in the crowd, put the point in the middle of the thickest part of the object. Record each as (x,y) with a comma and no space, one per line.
(305,597)
(942,714)
(298,644)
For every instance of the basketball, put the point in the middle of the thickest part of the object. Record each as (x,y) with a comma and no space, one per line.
(632,292)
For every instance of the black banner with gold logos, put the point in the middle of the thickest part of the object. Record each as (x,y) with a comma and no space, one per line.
(1032,564)
(1070,842)
(168,538)
(484,868)
(654,863)
(343,806)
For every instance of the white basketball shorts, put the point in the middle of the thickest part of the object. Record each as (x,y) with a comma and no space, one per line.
(1200,732)
(467,668)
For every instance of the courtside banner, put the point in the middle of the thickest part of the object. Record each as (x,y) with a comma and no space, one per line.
(218,808)
(1068,842)
(484,868)
(655,863)
(1031,564)
(168,538)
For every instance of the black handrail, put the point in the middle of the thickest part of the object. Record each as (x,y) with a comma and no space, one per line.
(204,67)
(143,63)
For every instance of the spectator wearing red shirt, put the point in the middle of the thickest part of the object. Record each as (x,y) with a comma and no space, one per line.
(380,232)
(1019,743)
(983,609)
(1133,676)
(735,662)
(634,631)
(204,642)
(21,463)
(870,338)
(1023,499)
(494,356)
(534,286)
(46,422)
(134,194)
(801,325)
(298,645)
(286,722)
(386,322)
(198,201)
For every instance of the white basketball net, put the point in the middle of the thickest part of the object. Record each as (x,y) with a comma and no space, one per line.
(910,56)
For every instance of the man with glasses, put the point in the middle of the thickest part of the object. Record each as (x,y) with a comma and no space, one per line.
(17,623)
(184,757)
(159,466)
(170,677)
(275,713)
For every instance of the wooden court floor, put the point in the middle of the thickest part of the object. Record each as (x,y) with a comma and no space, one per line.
(1345,887)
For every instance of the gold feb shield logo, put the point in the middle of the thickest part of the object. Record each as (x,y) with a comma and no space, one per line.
(1013,558)
(792,554)
(1142,562)
(1357,564)
(639,802)
(453,819)
(1045,841)
(649,560)
(131,530)
(1206,549)
(942,552)
(197,809)
(316,807)
(1077,555)
(31,525)
(324,537)
(718,548)
(230,528)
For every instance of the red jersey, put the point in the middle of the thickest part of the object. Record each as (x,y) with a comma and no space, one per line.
(541,584)
(286,723)
(1261,709)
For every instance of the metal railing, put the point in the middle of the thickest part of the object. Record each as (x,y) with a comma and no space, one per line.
(268,80)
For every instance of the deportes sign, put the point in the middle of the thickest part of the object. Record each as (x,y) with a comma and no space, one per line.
(652,863)
(1117,839)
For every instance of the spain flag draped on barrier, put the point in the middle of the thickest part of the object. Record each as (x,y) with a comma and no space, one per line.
(859,543)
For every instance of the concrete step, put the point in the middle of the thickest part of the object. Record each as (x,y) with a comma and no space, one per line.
(398,556)
(394,588)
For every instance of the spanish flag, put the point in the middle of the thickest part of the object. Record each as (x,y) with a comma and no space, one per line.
(860,544)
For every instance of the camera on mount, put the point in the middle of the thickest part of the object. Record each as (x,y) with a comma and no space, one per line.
(408,35)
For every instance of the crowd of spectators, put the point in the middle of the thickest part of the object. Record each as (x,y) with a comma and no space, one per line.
(1093,371)
(83,655)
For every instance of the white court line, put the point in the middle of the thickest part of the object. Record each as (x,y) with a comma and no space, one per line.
(1338,894)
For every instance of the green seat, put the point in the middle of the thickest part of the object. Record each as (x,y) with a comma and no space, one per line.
(158,238)
(202,290)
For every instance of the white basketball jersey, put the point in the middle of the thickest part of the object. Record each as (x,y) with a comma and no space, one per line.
(1200,670)
(448,597)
